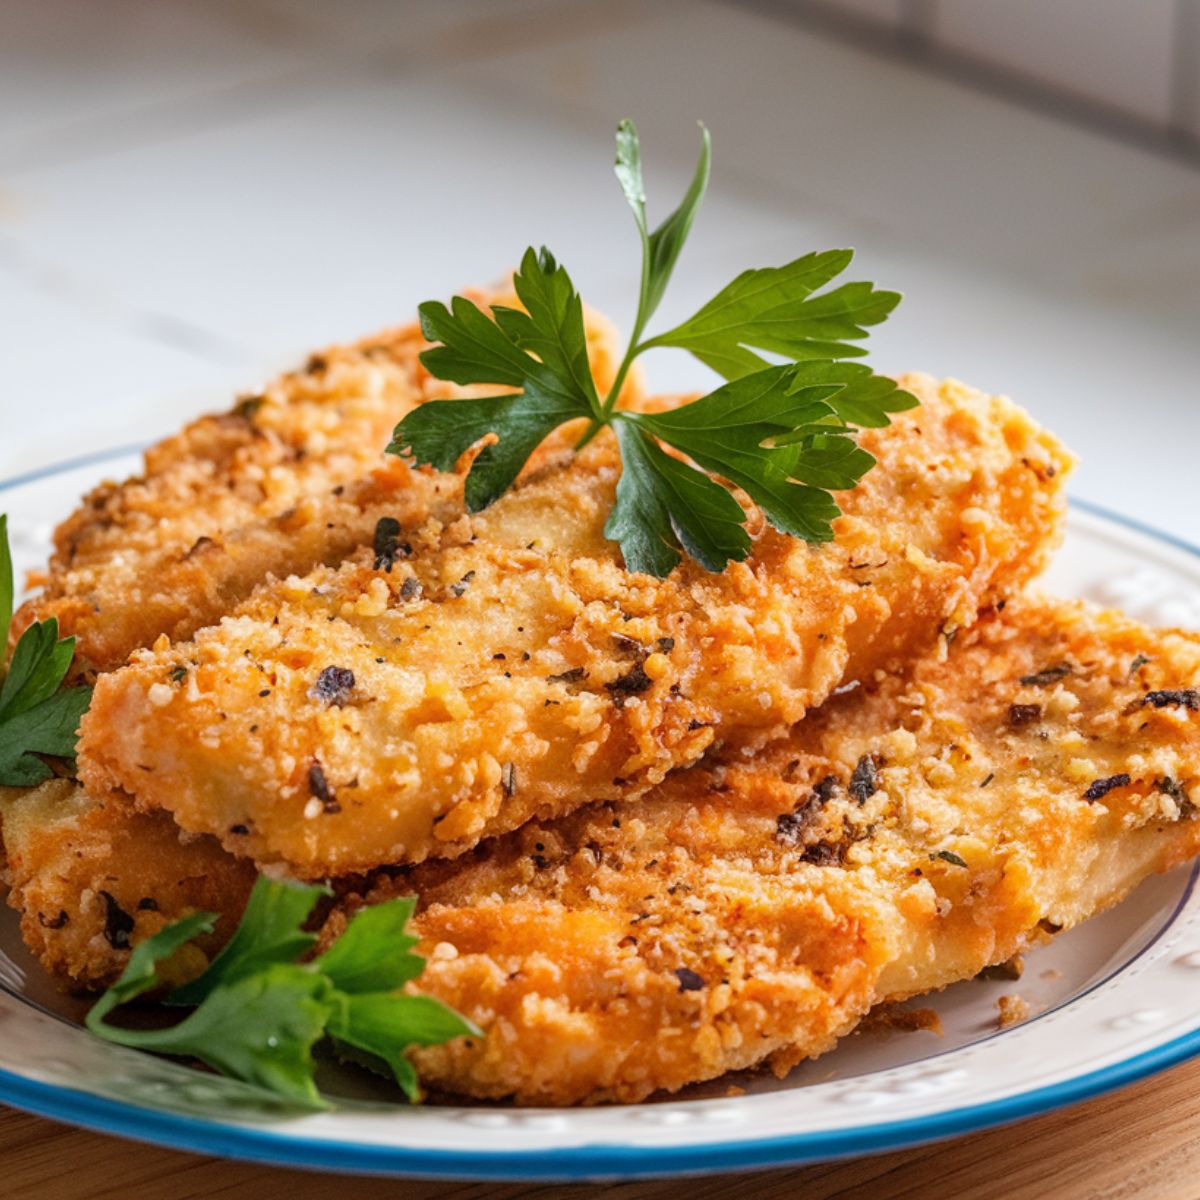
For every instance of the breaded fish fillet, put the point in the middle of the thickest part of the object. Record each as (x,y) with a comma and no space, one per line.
(290,478)
(387,711)
(93,877)
(910,833)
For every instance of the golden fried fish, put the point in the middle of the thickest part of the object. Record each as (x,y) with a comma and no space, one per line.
(923,826)
(507,666)
(292,477)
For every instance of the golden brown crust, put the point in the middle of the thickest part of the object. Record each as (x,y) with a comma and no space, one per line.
(752,911)
(91,877)
(512,667)
(290,478)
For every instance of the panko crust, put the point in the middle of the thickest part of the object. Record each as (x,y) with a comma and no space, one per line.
(752,910)
(93,877)
(291,477)
(510,667)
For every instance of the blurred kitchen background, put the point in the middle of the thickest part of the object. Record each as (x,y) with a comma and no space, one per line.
(194,193)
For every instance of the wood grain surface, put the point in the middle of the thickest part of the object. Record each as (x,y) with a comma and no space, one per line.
(1142,1143)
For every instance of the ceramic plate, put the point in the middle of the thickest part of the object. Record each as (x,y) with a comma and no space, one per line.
(1114,1000)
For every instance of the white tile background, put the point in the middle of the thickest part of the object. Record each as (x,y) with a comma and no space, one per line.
(193,194)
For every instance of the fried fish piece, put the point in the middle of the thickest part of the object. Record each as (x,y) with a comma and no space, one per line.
(92,877)
(511,667)
(912,832)
(291,477)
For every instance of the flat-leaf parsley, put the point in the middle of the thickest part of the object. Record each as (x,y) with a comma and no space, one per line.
(782,432)
(259,1010)
(37,719)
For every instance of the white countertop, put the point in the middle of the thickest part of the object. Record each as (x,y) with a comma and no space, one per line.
(194,195)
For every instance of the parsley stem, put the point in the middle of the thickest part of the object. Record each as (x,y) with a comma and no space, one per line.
(610,401)
(604,417)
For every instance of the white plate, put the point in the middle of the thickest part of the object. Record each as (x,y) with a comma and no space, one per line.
(1115,1000)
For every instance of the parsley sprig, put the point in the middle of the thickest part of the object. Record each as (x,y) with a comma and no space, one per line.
(258,1012)
(783,432)
(36,717)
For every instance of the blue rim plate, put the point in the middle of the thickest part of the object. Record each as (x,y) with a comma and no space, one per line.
(1142,968)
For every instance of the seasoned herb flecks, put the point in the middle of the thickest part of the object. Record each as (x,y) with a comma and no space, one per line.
(864,783)
(1048,676)
(318,785)
(1020,715)
(825,854)
(1169,787)
(1188,698)
(334,686)
(387,543)
(1099,788)
(460,588)
(632,683)
(118,924)
(949,856)
(574,675)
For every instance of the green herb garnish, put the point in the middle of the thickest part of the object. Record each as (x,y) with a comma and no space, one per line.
(36,718)
(950,857)
(258,1010)
(782,432)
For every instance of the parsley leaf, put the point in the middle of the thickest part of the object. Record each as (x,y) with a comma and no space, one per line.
(729,432)
(36,718)
(270,931)
(140,974)
(49,728)
(555,387)
(782,433)
(774,309)
(259,1013)
(260,1029)
(374,954)
(367,963)
(663,504)
(661,248)
(381,1026)
(551,326)
(853,391)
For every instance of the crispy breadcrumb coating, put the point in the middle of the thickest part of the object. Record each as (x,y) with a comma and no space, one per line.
(93,877)
(905,836)
(510,667)
(290,478)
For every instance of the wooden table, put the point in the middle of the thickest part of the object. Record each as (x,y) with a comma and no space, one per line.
(1142,1143)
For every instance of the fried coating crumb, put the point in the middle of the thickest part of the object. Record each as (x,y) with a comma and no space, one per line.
(796,906)
(290,478)
(527,670)
(887,1018)
(1013,1010)
(92,877)
(1014,968)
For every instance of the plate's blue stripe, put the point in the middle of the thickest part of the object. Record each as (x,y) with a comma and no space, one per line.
(584,1162)
(574,1163)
